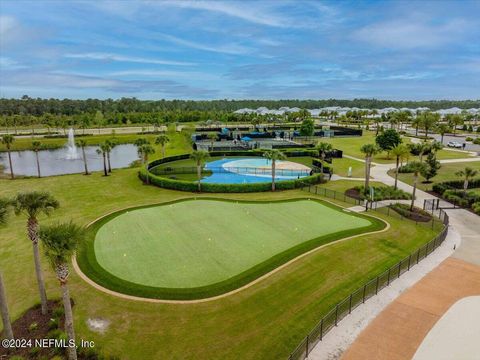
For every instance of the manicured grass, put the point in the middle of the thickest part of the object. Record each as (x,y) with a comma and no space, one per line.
(206,246)
(265,321)
(351,146)
(446,173)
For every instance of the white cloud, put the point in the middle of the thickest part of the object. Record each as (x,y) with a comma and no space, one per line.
(232,49)
(123,58)
(242,10)
(410,33)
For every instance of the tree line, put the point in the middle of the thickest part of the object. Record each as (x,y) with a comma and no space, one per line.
(38,106)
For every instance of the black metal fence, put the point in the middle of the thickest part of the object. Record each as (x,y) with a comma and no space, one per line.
(231,169)
(332,194)
(362,294)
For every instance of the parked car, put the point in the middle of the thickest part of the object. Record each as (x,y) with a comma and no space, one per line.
(454,144)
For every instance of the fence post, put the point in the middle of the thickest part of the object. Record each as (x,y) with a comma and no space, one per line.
(399,268)
(350,304)
(376,286)
(364,290)
(321,329)
(308,338)
(418,255)
(409,260)
(388,280)
(336,315)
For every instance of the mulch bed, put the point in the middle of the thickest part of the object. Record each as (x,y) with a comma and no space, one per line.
(417,214)
(22,330)
(353,193)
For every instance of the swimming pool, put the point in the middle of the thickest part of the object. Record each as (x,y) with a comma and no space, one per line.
(252,170)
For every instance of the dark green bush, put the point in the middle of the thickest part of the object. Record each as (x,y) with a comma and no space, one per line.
(383,193)
(476,207)
(404,210)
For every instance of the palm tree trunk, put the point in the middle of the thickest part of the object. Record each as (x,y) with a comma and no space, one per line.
(441,138)
(109,165)
(33,235)
(465,187)
(11,166)
(199,177)
(396,172)
(84,160)
(416,130)
(67,305)
(38,164)
(273,175)
(367,172)
(105,172)
(415,179)
(7,326)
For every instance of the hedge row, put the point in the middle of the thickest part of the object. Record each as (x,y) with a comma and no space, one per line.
(454,184)
(192,186)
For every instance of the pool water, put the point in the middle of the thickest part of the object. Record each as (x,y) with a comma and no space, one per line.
(252,170)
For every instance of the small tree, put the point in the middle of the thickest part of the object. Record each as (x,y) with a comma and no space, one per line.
(369,150)
(36,146)
(400,152)
(212,137)
(323,148)
(111,143)
(144,151)
(103,150)
(307,128)
(7,140)
(81,143)
(467,174)
(59,243)
(442,129)
(417,167)
(33,204)
(431,167)
(274,155)
(387,140)
(199,157)
(162,140)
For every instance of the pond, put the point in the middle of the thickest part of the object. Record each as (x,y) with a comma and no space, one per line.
(61,161)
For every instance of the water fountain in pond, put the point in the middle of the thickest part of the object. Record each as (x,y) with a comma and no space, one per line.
(72,152)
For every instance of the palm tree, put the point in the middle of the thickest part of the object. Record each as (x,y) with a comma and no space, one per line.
(212,137)
(36,145)
(400,152)
(428,121)
(143,152)
(33,204)
(7,326)
(274,155)
(103,150)
(416,122)
(59,243)
(417,167)
(82,143)
(7,140)
(442,129)
(162,140)
(111,144)
(322,148)
(423,148)
(199,157)
(369,150)
(468,174)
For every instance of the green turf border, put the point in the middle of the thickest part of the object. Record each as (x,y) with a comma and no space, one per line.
(88,264)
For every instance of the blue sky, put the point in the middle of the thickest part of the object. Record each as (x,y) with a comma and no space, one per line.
(257,50)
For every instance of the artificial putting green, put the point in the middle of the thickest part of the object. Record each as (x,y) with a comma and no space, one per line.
(197,243)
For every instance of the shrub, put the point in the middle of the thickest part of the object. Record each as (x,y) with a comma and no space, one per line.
(468,138)
(53,323)
(384,193)
(477,140)
(418,214)
(33,326)
(476,207)
(460,198)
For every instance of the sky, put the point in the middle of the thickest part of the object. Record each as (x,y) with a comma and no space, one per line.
(399,50)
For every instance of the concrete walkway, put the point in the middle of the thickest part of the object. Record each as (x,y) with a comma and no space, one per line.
(398,330)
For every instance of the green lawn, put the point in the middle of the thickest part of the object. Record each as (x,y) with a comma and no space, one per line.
(198,243)
(265,321)
(446,173)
